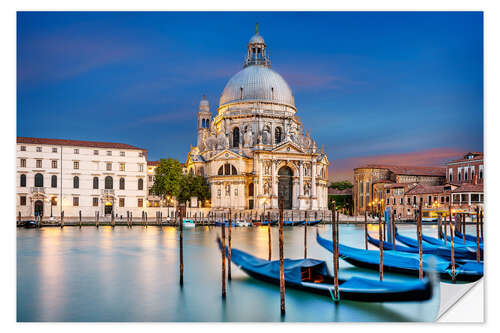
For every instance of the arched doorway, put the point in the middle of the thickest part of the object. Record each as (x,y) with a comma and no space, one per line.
(108,208)
(39,208)
(285,186)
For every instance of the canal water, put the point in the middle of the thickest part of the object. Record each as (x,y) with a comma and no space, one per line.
(121,274)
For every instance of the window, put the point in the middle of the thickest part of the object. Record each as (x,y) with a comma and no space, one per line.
(38,149)
(430,200)
(459,176)
(122,166)
(54,164)
(108,183)
(466,174)
(95,201)
(76,201)
(141,167)
(38,163)
(277,135)
(76,182)
(414,200)
(53,181)
(140,184)
(139,202)
(109,153)
(236,137)
(122,183)
(23,180)
(400,201)
(221,171)
(95,183)
(480,173)
(141,154)
(76,165)
(150,178)
(122,153)
(23,163)
(38,180)
(22,201)
(54,150)
(96,152)
(122,202)
(442,199)
(228,190)
(250,190)
(23,148)
(409,201)
(109,166)
(76,151)
(394,201)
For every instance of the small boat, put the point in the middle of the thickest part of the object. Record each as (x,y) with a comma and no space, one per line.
(188,223)
(226,223)
(30,224)
(469,238)
(311,222)
(457,243)
(312,275)
(243,224)
(412,247)
(291,223)
(405,263)
(275,222)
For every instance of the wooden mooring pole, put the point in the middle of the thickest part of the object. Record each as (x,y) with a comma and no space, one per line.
(335,254)
(445,227)
(393,231)
(420,251)
(440,229)
(62,219)
(305,240)
(223,232)
(19,217)
(113,219)
(80,216)
(269,245)
(381,247)
(282,261)
(97,220)
(462,225)
(366,232)
(181,247)
(452,248)
(229,246)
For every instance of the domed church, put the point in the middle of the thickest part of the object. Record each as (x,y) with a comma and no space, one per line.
(255,151)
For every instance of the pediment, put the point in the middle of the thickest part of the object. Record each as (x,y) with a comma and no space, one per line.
(226,154)
(288,148)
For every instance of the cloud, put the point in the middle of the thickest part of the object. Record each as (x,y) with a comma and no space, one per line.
(343,168)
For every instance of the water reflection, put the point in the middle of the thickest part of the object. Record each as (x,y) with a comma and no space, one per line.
(132,274)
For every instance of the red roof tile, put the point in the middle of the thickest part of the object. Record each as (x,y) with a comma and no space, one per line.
(426,189)
(409,170)
(468,187)
(76,143)
(153,163)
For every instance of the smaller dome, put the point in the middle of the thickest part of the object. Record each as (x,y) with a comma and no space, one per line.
(257,39)
(204,101)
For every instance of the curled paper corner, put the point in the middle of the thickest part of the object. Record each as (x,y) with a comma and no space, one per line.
(462,302)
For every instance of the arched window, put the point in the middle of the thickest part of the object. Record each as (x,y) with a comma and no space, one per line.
(38,180)
(53,181)
(203,123)
(227,170)
(200,171)
(207,123)
(23,180)
(277,135)
(140,184)
(233,170)
(250,190)
(122,183)
(95,183)
(236,137)
(76,182)
(221,170)
(108,183)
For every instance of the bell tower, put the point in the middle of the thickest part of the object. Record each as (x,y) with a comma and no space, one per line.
(204,117)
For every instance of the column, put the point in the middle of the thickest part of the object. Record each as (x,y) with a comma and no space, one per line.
(469,198)
(301,178)
(261,179)
(313,185)
(274,186)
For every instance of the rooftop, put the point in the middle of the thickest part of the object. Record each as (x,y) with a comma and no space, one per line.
(469,187)
(75,143)
(426,189)
(408,170)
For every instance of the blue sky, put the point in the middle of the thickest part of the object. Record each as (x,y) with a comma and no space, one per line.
(368,84)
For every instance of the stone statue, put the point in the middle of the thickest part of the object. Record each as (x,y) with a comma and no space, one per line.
(267,187)
(307,188)
(266,136)
(248,138)
(221,141)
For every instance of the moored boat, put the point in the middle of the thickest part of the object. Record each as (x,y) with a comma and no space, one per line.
(469,238)
(312,275)
(187,223)
(311,222)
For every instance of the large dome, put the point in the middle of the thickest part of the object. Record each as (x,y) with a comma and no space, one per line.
(257,83)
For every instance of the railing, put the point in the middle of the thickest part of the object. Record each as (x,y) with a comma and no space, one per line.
(38,190)
(108,192)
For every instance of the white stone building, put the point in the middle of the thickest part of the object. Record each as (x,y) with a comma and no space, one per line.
(73,176)
(255,151)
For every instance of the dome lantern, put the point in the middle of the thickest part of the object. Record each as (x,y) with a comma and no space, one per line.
(257,51)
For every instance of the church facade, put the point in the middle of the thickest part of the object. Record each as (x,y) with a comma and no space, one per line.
(254,151)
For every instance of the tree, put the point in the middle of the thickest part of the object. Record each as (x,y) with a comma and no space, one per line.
(167,179)
(193,186)
(342,185)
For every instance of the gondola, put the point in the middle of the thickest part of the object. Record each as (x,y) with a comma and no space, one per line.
(312,276)
(226,223)
(405,263)
(29,224)
(311,222)
(291,223)
(274,222)
(460,252)
(457,243)
(469,238)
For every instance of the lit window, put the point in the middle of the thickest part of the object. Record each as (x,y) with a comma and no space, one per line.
(95,202)
(38,163)
(23,163)
(139,203)
(54,164)
(108,166)
(122,166)
(23,148)
(122,202)
(76,201)
(38,149)
(77,151)
(76,165)
(54,150)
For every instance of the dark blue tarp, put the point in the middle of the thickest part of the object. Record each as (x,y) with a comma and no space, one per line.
(470,238)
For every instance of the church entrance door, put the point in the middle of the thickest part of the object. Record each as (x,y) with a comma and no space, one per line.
(285,186)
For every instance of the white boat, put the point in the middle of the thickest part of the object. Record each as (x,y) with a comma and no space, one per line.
(243,224)
(188,223)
